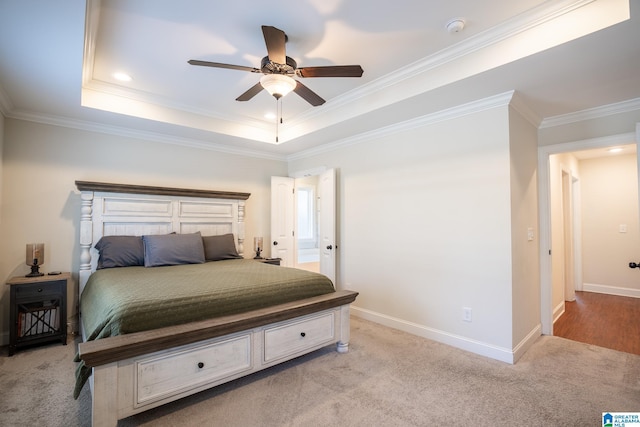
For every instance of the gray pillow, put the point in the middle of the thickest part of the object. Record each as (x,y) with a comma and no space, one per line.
(221,247)
(120,251)
(173,249)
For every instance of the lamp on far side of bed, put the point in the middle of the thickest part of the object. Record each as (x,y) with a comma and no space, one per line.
(35,258)
(257,246)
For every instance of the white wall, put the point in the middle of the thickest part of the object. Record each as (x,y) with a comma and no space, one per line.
(41,204)
(425,228)
(609,200)
(525,301)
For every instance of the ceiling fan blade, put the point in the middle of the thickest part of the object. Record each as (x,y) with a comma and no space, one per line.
(275,40)
(331,71)
(308,95)
(220,65)
(253,91)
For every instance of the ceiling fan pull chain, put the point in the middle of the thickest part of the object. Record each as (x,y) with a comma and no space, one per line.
(278,116)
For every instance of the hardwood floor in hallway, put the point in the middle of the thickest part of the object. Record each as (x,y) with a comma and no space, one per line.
(605,320)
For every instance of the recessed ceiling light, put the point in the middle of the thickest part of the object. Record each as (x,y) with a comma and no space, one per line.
(123,77)
(269,116)
(615,150)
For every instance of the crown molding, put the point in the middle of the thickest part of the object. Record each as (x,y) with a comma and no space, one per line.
(142,135)
(592,113)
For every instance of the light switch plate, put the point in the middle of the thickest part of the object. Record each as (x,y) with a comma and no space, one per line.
(530,233)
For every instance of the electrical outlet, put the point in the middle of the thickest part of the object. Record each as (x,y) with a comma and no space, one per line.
(466,314)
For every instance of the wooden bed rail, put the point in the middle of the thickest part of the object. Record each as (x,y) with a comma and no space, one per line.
(112,349)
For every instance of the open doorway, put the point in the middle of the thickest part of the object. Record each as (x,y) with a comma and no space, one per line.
(307,238)
(318,240)
(561,242)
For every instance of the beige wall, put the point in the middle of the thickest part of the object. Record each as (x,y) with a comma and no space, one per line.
(425,228)
(41,204)
(609,195)
(525,301)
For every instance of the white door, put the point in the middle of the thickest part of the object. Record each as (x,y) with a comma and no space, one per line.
(282,220)
(327,223)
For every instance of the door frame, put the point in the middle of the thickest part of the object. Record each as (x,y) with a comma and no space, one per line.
(544,213)
(569,231)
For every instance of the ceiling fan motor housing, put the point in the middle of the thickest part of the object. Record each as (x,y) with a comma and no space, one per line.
(269,67)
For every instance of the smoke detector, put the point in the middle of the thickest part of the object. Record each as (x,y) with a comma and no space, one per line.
(455,25)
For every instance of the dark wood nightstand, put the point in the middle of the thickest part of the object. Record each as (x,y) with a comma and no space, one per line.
(274,261)
(38,310)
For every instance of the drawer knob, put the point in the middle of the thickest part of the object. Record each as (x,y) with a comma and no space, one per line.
(39,289)
(200,365)
(302,334)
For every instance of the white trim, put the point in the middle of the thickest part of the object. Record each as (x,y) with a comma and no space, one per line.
(592,113)
(502,354)
(140,134)
(558,311)
(526,343)
(611,290)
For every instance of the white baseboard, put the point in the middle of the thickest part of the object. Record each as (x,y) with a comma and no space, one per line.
(558,311)
(484,349)
(611,290)
(521,348)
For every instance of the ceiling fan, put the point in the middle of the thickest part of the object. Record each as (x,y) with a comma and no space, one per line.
(278,70)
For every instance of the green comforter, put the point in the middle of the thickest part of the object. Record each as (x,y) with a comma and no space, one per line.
(118,301)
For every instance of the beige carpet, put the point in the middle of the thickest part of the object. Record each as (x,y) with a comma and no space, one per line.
(389,378)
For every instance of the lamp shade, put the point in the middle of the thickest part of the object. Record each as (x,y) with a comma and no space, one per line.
(35,254)
(257,244)
(277,85)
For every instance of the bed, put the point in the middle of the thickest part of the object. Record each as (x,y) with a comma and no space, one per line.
(161,328)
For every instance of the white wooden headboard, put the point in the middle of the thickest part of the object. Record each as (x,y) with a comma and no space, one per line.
(134,210)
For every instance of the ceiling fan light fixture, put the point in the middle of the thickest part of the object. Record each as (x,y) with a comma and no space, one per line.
(278,85)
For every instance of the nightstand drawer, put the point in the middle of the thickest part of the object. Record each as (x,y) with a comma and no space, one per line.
(291,338)
(40,290)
